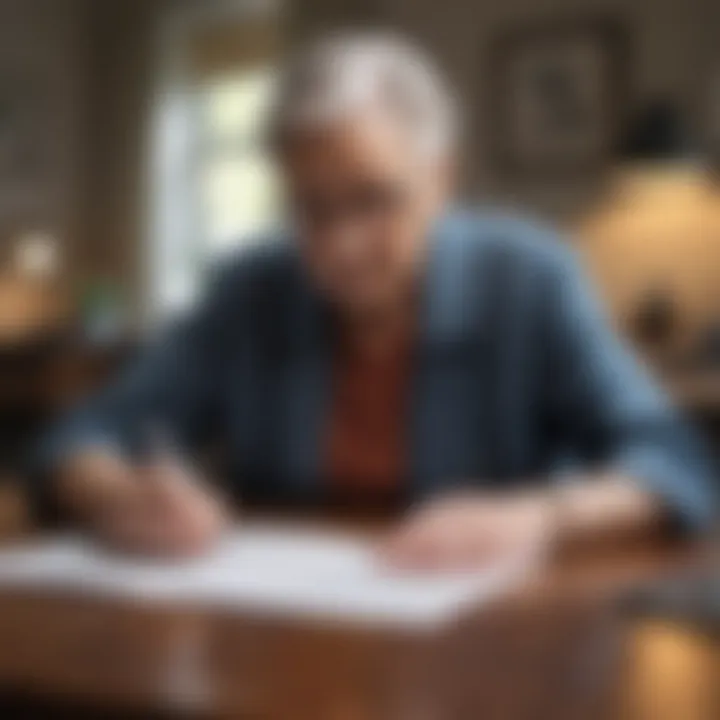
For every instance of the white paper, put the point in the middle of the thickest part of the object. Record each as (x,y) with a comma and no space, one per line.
(267,568)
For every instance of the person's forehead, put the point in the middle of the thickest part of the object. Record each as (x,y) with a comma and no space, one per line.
(369,139)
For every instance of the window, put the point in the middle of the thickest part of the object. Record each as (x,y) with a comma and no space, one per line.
(212,186)
(236,188)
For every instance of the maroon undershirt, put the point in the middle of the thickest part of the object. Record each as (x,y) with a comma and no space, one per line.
(365,450)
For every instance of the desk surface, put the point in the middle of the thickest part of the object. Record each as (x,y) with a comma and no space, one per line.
(555,649)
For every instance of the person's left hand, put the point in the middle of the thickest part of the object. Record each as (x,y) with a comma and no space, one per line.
(469,531)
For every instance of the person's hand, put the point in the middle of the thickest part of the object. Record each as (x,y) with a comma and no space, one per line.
(471,531)
(160,509)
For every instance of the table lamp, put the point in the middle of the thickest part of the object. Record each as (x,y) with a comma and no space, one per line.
(32,302)
(653,239)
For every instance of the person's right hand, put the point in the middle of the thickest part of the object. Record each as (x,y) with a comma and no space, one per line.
(159,509)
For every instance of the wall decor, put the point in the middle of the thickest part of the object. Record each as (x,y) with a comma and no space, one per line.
(559,94)
(23,122)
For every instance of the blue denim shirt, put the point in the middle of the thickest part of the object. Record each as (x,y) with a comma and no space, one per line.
(517,377)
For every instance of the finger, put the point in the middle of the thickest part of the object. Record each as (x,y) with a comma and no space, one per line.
(442,543)
(412,548)
(150,535)
(447,546)
(170,491)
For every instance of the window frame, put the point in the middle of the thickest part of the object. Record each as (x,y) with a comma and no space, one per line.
(174,226)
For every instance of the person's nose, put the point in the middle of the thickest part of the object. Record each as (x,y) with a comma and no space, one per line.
(346,243)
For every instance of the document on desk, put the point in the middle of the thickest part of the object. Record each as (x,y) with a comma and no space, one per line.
(266,568)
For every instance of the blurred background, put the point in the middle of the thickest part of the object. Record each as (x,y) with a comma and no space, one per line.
(131,158)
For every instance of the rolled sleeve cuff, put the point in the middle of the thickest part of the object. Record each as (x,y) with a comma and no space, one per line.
(55,449)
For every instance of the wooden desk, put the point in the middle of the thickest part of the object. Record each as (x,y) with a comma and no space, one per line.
(558,648)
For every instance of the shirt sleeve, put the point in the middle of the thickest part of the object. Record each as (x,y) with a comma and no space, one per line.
(609,410)
(172,386)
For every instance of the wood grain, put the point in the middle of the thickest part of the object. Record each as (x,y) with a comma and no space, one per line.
(557,648)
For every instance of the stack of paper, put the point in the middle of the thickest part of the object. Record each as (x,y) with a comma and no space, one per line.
(262,567)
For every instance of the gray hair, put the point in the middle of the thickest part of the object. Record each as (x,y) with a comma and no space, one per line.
(335,78)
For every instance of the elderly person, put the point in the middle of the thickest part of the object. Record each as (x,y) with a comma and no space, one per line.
(389,349)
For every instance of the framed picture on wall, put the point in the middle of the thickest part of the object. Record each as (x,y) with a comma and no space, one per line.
(558,96)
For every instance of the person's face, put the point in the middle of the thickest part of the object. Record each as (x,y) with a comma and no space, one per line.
(362,198)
